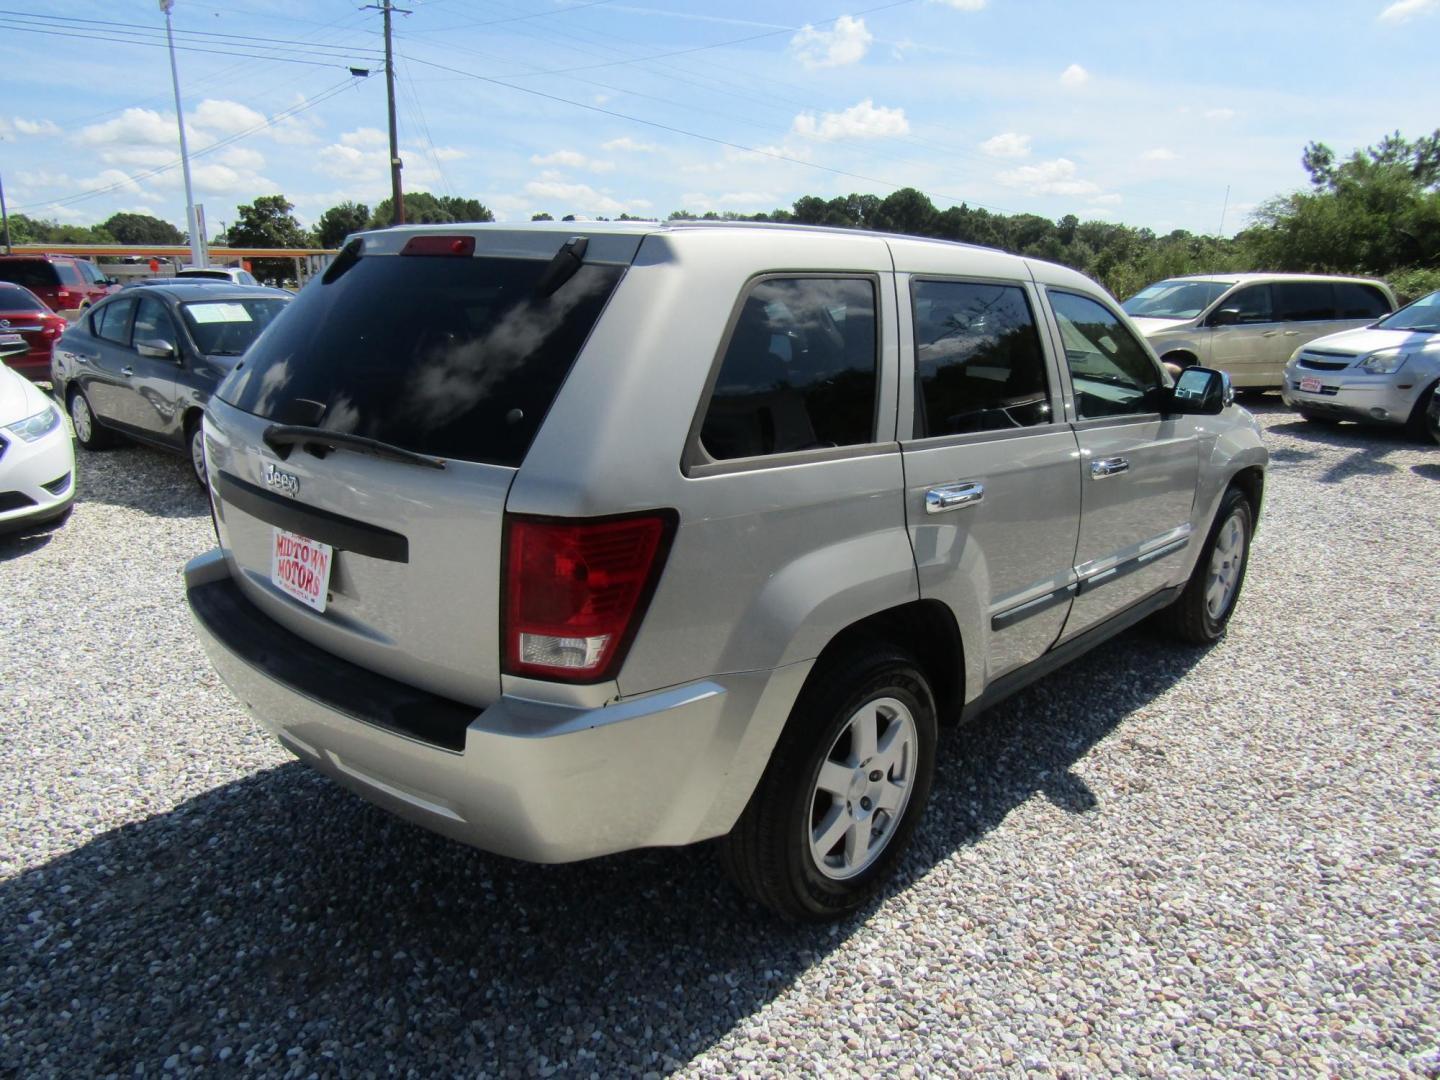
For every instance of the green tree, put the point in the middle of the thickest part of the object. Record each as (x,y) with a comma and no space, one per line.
(267,222)
(142,229)
(422,208)
(541,217)
(339,222)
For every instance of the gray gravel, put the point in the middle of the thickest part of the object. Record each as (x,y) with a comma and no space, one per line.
(1158,861)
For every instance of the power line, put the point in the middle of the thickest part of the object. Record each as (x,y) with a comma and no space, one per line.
(694,134)
(219,144)
(72,22)
(161,44)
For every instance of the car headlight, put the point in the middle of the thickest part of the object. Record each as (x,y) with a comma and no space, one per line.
(37,426)
(1384,362)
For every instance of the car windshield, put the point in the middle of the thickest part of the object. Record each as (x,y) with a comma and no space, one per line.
(229,327)
(15,298)
(1423,315)
(1174,299)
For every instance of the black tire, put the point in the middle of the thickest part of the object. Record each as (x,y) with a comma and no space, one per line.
(195,448)
(89,432)
(1193,618)
(1324,419)
(1419,425)
(768,853)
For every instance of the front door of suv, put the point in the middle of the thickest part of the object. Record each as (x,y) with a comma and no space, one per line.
(992,499)
(1138,469)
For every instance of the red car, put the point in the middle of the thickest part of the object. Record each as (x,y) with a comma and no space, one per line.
(66,283)
(24,315)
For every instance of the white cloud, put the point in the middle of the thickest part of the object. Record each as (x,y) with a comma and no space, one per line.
(574,198)
(35,127)
(133,127)
(572,159)
(1111,199)
(365,138)
(447,153)
(1074,77)
(730,200)
(846,43)
(863,121)
(1056,177)
(241,157)
(1219,114)
(225,117)
(1159,153)
(1008,144)
(1402,10)
(629,145)
(963,5)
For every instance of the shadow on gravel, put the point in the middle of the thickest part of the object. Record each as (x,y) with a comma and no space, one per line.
(1428,470)
(139,478)
(22,541)
(288,922)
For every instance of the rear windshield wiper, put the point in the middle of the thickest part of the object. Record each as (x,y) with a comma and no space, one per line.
(281,437)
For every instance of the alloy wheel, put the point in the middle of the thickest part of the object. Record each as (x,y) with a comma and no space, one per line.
(862,788)
(1225,562)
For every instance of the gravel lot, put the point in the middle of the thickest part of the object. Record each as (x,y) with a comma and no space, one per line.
(1158,861)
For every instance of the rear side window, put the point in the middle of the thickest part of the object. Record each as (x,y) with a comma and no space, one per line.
(1304,301)
(1356,301)
(1111,372)
(456,357)
(799,372)
(112,322)
(38,274)
(978,362)
(68,274)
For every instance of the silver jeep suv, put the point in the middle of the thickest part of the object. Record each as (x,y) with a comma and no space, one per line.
(567,541)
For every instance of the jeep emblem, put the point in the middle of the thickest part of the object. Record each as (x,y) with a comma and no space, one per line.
(278,479)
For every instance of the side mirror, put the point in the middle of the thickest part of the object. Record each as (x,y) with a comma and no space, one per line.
(1201,392)
(156,349)
(1225,317)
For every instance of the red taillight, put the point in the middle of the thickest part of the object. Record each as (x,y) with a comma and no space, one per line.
(576,590)
(439,245)
(63,296)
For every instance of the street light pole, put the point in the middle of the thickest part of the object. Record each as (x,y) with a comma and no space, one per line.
(197,242)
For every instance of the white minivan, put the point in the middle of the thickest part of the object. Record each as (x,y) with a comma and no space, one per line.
(1249,325)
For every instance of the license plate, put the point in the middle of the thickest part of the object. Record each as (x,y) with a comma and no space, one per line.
(300,567)
(1310,386)
(11,339)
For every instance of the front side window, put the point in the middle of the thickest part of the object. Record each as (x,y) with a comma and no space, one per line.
(152,323)
(978,361)
(112,321)
(1304,301)
(1110,370)
(1250,304)
(800,371)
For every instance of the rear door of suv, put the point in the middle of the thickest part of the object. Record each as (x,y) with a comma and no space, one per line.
(445,352)
(992,493)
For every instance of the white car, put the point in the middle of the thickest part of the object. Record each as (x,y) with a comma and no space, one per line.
(37,461)
(236,275)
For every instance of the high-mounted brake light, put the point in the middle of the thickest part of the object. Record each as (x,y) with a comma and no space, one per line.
(576,591)
(439,245)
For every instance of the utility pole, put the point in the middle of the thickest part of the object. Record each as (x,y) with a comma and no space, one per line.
(197,243)
(397,198)
(5,220)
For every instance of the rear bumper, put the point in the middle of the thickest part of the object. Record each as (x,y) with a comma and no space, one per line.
(34,365)
(1374,398)
(530,780)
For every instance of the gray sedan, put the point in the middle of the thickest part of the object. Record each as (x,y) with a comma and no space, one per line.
(145,362)
(1384,373)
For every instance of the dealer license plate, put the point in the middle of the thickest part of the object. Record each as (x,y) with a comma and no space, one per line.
(1310,386)
(11,339)
(300,567)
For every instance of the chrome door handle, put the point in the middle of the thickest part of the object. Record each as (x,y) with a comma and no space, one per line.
(1270,333)
(1292,333)
(952,497)
(127,372)
(83,359)
(1110,466)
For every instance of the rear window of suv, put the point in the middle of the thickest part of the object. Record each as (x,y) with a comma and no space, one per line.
(32,273)
(456,357)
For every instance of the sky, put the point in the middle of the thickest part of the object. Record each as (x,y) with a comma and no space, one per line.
(1176,114)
